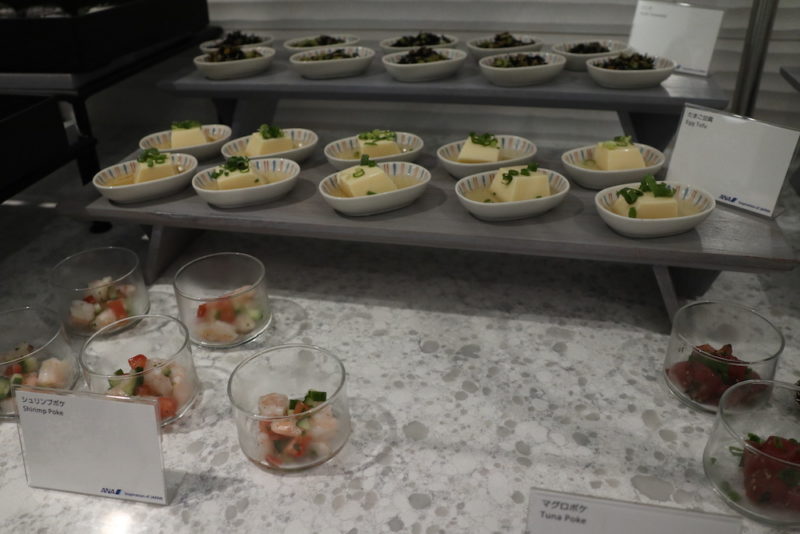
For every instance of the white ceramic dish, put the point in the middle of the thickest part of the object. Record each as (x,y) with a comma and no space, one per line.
(509,211)
(522,76)
(291,44)
(218,133)
(332,68)
(577,62)
(599,179)
(304,142)
(386,44)
(240,68)
(516,150)
(702,201)
(425,72)
(247,196)
(401,172)
(630,79)
(210,46)
(125,194)
(533,43)
(339,153)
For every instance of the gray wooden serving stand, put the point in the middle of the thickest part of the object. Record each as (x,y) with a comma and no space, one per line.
(729,239)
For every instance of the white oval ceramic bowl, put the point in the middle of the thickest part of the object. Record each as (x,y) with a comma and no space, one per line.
(630,79)
(631,227)
(597,179)
(220,133)
(240,68)
(509,211)
(213,44)
(381,202)
(424,72)
(478,52)
(332,68)
(336,151)
(386,44)
(125,194)
(577,62)
(522,76)
(304,142)
(248,196)
(291,44)
(522,149)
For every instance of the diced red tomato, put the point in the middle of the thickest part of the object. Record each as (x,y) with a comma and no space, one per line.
(167,407)
(698,381)
(298,446)
(13,369)
(90,299)
(140,360)
(765,487)
(225,310)
(118,307)
(299,407)
(202,310)
(143,390)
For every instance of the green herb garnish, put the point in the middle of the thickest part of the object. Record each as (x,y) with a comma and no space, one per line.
(151,157)
(185,125)
(508,176)
(365,161)
(632,212)
(371,193)
(233,164)
(629,194)
(270,132)
(736,451)
(790,476)
(359,173)
(659,189)
(729,491)
(486,139)
(373,136)
(753,437)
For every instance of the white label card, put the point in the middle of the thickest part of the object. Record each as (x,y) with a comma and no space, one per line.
(680,32)
(552,512)
(89,443)
(740,161)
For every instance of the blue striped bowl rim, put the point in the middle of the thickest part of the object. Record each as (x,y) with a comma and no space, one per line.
(237,146)
(126,168)
(700,199)
(334,149)
(392,168)
(203,179)
(558,185)
(219,132)
(652,157)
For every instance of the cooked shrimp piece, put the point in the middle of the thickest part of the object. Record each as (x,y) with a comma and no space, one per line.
(155,379)
(30,379)
(243,299)
(244,323)
(54,373)
(217,332)
(81,313)
(321,449)
(117,391)
(126,289)
(183,387)
(323,425)
(104,318)
(99,288)
(286,427)
(273,405)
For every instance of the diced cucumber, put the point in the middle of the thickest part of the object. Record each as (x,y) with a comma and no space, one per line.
(16,378)
(128,386)
(304,423)
(255,314)
(114,382)
(293,403)
(30,365)
(5,387)
(314,397)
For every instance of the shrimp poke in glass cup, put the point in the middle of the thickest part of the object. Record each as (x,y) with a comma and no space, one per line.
(152,359)
(34,351)
(97,287)
(223,299)
(290,407)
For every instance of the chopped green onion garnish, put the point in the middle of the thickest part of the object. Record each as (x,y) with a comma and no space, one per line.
(486,139)
(185,125)
(270,132)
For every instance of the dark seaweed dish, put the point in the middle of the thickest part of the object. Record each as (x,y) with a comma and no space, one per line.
(589,48)
(629,62)
(421,55)
(231,53)
(322,40)
(336,54)
(503,40)
(519,60)
(238,38)
(421,39)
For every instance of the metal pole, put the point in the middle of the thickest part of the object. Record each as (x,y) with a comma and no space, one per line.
(759,28)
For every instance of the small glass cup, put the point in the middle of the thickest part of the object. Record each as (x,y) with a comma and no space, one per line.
(715,345)
(753,457)
(112,363)
(34,351)
(223,299)
(282,424)
(97,287)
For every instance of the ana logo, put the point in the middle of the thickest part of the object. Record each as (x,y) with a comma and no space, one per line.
(728,198)
(110,491)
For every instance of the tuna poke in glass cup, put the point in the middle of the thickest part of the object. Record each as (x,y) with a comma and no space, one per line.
(223,299)
(753,454)
(151,359)
(34,351)
(97,287)
(290,407)
(715,345)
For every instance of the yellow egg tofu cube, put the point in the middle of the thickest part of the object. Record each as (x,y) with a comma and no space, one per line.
(618,158)
(376,149)
(187,137)
(239,179)
(258,146)
(475,153)
(519,187)
(361,180)
(647,206)
(158,170)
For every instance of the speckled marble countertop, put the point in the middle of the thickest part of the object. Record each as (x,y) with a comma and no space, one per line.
(472,378)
